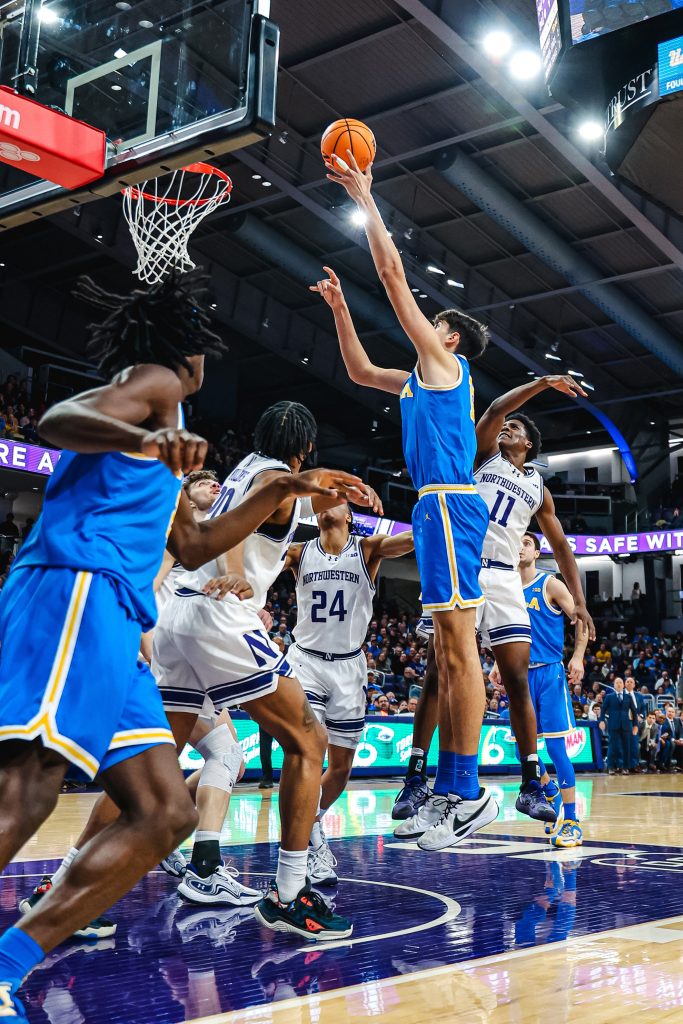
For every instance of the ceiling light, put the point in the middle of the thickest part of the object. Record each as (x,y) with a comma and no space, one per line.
(531,373)
(497,43)
(146,24)
(575,373)
(48,16)
(652,423)
(266,184)
(412,289)
(358,217)
(387,408)
(585,384)
(590,131)
(99,237)
(116,88)
(123,5)
(551,355)
(525,64)
(120,52)
(2,264)
(257,177)
(214,305)
(304,360)
(589,431)
(454,284)
(435,270)
(423,295)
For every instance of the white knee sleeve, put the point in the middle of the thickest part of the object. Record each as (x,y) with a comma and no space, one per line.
(222,759)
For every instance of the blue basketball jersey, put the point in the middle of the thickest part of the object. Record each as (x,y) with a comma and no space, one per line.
(439,439)
(547,623)
(108,513)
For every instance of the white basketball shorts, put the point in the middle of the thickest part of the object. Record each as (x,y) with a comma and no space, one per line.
(503,618)
(336,691)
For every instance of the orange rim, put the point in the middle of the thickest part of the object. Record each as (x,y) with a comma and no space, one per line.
(198,168)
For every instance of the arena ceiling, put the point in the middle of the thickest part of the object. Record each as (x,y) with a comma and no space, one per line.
(415,71)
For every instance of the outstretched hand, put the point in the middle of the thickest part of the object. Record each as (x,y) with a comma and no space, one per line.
(348,174)
(332,483)
(566,384)
(330,289)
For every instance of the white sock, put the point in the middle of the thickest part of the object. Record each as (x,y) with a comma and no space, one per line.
(291,873)
(417,752)
(62,869)
(316,839)
(203,836)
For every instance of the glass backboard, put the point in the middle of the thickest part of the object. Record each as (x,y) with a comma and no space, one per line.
(168,81)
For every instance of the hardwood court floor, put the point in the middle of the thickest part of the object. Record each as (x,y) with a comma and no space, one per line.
(501,929)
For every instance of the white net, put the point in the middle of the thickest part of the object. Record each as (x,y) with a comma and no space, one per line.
(163,212)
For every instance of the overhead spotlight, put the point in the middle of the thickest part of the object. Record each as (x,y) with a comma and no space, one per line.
(585,384)
(304,360)
(214,305)
(123,5)
(531,373)
(48,16)
(2,264)
(454,284)
(497,43)
(266,184)
(589,431)
(575,373)
(652,423)
(525,65)
(412,289)
(265,323)
(387,408)
(358,217)
(120,52)
(551,355)
(116,88)
(591,131)
(257,177)
(423,295)
(99,237)
(435,270)
(374,426)
(145,23)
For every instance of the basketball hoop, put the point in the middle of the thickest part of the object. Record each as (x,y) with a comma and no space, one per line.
(163,212)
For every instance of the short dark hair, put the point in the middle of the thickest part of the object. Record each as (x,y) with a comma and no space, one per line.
(474,336)
(284,431)
(196,476)
(532,432)
(534,538)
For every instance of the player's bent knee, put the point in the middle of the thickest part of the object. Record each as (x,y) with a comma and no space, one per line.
(222,759)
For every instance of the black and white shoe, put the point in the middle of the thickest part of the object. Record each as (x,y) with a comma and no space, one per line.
(221,887)
(99,928)
(175,864)
(459,820)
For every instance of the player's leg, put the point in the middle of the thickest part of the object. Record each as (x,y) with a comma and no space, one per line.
(206,878)
(266,752)
(287,716)
(513,661)
(321,868)
(415,790)
(570,833)
(31,776)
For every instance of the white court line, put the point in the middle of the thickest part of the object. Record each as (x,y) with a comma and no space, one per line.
(452,911)
(497,959)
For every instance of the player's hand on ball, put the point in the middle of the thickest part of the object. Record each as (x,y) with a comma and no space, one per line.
(566,384)
(348,174)
(219,586)
(180,450)
(332,483)
(330,289)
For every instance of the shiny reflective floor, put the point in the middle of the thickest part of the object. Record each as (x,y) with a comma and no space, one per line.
(500,929)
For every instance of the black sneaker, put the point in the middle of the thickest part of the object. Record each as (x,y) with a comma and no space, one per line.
(100,928)
(306,915)
(531,800)
(411,798)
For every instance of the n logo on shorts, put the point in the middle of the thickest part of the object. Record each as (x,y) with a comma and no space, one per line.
(261,647)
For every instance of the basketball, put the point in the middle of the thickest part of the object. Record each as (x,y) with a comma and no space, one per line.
(348,133)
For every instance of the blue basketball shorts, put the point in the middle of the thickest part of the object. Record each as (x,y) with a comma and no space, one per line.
(449,525)
(550,697)
(69,669)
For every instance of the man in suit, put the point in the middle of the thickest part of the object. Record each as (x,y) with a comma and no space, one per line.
(617,716)
(678,741)
(639,710)
(667,733)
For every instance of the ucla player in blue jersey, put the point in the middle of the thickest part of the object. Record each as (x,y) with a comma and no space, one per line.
(81,590)
(548,600)
(449,519)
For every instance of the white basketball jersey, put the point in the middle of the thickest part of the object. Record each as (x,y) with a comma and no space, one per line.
(513,497)
(264,550)
(334,598)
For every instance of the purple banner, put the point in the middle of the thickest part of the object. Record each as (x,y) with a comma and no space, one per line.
(28,457)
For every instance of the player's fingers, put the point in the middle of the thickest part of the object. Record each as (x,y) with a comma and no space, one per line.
(174,446)
(188,454)
(200,453)
(334,177)
(331,274)
(353,161)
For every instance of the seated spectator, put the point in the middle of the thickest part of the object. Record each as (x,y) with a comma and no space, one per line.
(412,705)
(603,656)
(381,705)
(403,707)
(648,738)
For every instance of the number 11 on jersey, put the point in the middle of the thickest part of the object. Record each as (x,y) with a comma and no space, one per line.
(493,514)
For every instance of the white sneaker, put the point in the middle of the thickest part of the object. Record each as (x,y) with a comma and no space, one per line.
(221,887)
(175,864)
(460,818)
(320,869)
(428,815)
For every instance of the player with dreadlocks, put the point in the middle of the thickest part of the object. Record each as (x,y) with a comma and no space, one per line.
(219,648)
(71,689)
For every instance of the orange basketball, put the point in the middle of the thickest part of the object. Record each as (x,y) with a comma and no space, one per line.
(345,134)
